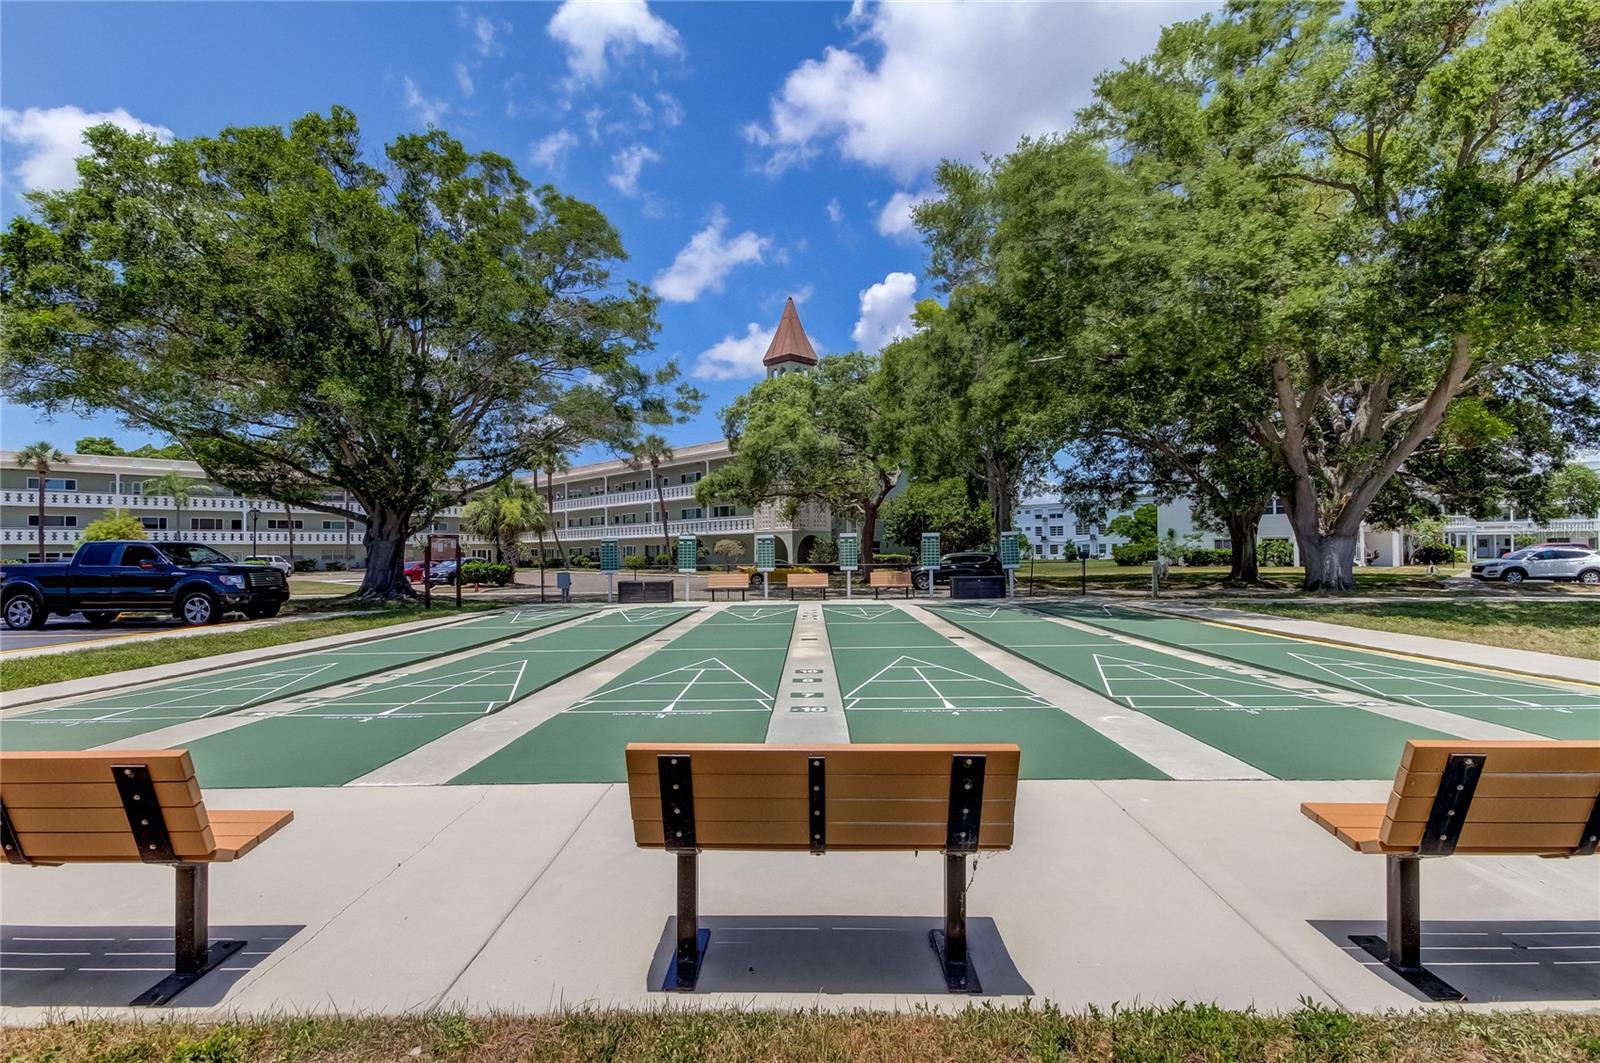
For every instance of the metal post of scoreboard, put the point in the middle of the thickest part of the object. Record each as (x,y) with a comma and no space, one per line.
(1010,559)
(766,554)
(930,557)
(610,563)
(849,556)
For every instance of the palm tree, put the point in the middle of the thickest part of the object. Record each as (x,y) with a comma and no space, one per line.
(554,461)
(179,488)
(41,457)
(654,451)
(503,513)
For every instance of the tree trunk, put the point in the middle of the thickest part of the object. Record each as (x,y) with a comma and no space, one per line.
(288,523)
(385,542)
(550,496)
(666,529)
(869,528)
(1329,558)
(41,515)
(1242,530)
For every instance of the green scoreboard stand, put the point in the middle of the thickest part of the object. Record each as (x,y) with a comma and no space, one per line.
(610,556)
(849,557)
(930,556)
(766,553)
(688,554)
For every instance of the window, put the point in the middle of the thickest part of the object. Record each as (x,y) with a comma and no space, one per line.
(333,525)
(1058,529)
(236,525)
(1276,505)
(1102,549)
(1080,529)
(138,554)
(284,524)
(690,477)
(52,484)
(154,523)
(1055,549)
(722,511)
(1222,544)
(52,520)
(205,523)
(95,553)
(691,514)
(1056,516)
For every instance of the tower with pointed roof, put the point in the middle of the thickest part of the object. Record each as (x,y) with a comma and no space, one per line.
(790,351)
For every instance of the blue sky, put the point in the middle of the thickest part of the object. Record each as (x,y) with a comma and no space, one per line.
(746,152)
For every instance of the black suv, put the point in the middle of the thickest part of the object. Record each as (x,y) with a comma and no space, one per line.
(964,564)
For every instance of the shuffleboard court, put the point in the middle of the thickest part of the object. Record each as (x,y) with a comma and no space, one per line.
(904,682)
(335,740)
(1287,733)
(715,683)
(1546,709)
(94,722)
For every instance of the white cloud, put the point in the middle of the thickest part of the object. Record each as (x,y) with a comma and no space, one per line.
(596,33)
(924,82)
(51,139)
(548,152)
(486,32)
(464,79)
(626,166)
(835,211)
(427,111)
(671,111)
(733,357)
(886,312)
(895,217)
(706,260)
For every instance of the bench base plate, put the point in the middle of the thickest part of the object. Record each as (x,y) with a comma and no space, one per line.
(1421,979)
(959,977)
(169,987)
(673,984)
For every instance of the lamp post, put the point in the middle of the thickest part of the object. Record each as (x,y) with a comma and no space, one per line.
(255,547)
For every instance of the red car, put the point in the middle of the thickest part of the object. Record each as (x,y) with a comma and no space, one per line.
(413,571)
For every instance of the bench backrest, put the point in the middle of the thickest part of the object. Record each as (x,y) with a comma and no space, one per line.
(808,579)
(1506,797)
(84,807)
(889,577)
(727,581)
(866,797)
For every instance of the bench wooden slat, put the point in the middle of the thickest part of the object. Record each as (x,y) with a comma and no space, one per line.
(238,832)
(760,759)
(931,787)
(101,794)
(1497,809)
(1505,784)
(110,846)
(889,578)
(811,580)
(97,820)
(727,581)
(883,837)
(166,765)
(838,809)
(1541,756)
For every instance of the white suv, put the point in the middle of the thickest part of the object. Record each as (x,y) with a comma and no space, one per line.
(1578,563)
(272,561)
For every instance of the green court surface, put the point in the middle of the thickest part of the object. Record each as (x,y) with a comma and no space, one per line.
(1545,709)
(904,682)
(332,741)
(1290,734)
(91,723)
(714,683)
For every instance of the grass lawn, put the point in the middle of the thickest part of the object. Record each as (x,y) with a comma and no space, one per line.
(141,653)
(1567,627)
(300,586)
(1042,1032)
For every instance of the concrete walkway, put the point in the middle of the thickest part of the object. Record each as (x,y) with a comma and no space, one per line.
(533,898)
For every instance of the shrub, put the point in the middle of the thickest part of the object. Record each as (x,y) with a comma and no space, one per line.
(304,564)
(1200,555)
(493,573)
(1275,553)
(635,562)
(333,566)
(116,524)
(582,561)
(891,559)
(825,550)
(1133,553)
(1432,554)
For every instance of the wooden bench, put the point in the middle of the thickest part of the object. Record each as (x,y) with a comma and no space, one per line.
(126,806)
(818,799)
(891,579)
(1458,797)
(728,581)
(808,581)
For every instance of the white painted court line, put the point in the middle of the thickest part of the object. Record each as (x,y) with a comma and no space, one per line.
(1371,677)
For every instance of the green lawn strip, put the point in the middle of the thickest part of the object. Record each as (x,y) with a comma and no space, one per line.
(714,683)
(1284,733)
(334,741)
(109,718)
(1564,626)
(1054,577)
(1525,704)
(19,673)
(986,1034)
(880,653)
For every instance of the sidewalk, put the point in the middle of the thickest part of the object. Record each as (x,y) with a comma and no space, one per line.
(534,898)
(1470,654)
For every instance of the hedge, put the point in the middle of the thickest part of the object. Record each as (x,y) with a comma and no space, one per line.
(490,572)
(1133,554)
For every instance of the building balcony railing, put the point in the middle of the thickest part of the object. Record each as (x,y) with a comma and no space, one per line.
(163,503)
(274,537)
(709,526)
(643,496)
(1521,525)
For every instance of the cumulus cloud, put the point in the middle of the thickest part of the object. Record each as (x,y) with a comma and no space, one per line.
(626,166)
(549,152)
(886,312)
(50,139)
(895,217)
(486,32)
(924,82)
(594,34)
(733,357)
(464,80)
(835,211)
(427,111)
(706,260)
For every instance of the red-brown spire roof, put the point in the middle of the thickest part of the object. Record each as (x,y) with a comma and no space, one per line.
(789,343)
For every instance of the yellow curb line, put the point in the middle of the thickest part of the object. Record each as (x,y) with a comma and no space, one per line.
(1401,654)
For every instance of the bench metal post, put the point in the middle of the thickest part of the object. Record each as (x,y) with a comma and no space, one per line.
(1404,896)
(689,949)
(964,824)
(676,775)
(192,924)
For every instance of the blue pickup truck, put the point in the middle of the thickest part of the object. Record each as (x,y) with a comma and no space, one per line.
(189,580)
